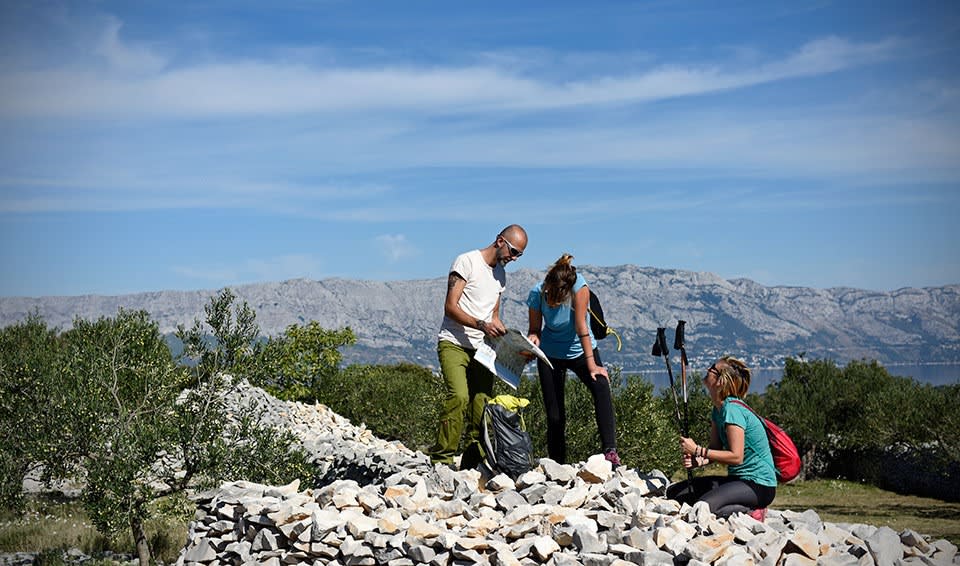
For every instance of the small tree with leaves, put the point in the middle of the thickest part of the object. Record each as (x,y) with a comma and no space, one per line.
(123,384)
(229,341)
(30,404)
(293,365)
(139,436)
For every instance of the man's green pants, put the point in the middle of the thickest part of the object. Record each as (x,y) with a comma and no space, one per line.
(468,385)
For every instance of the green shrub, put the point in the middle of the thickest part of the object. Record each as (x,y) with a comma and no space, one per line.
(832,412)
(402,402)
(294,365)
(396,402)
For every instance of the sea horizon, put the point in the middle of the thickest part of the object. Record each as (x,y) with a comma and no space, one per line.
(933,373)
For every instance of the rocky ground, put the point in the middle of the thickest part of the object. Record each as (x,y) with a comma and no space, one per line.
(380,503)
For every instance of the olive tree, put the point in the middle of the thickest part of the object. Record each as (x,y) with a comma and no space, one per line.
(30,403)
(124,384)
(138,435)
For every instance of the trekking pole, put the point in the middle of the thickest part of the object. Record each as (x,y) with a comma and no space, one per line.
(660,349)
(678,344)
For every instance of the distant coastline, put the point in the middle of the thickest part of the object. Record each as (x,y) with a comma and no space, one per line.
(934,373)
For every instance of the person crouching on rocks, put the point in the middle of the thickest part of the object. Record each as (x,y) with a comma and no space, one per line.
(737,439)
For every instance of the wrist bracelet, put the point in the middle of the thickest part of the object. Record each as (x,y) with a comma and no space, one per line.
(583,335)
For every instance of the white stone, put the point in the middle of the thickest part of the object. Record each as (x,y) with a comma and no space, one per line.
(500,482)
(884,546)
(202,552)
(596,469)
(544,547)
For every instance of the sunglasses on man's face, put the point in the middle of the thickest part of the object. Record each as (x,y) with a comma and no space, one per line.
(514,252)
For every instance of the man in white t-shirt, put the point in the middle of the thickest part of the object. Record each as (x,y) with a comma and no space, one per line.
(471,312)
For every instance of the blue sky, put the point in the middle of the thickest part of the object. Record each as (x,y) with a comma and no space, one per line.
(164,145)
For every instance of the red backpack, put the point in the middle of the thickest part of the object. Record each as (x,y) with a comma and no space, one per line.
(786,457)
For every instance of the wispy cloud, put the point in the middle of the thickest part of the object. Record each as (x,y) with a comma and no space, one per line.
(252,133)
(125,56)
(287,266)
(104,194)
(396,247)
(139,83)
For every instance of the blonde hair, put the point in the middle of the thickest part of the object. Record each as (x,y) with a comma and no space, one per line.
(734,378)
(558,283)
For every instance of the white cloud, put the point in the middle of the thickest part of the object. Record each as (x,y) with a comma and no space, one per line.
(279,87)
(114,192)
(126,57)
(829,54)
(244,134)
(287,266)
(395,247)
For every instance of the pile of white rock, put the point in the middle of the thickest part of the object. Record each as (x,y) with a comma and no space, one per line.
(407,512)
(338,449)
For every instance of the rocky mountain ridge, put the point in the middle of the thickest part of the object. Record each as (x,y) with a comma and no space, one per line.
(397,320)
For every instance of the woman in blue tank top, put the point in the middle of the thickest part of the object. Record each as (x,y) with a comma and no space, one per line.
(558,324)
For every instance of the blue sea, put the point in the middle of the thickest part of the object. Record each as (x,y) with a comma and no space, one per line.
(935,374)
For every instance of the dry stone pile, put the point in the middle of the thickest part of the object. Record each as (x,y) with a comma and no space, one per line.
(339,449)
(386,505)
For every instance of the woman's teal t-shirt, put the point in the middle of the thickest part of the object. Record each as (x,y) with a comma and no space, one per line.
(757,463)
(558,338)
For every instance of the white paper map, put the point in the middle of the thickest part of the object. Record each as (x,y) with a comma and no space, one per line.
(504,356)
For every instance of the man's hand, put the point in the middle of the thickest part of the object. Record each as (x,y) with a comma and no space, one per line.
(492,329)
(495,328)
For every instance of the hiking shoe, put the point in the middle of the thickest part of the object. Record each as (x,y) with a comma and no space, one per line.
(759,514)
(613,458)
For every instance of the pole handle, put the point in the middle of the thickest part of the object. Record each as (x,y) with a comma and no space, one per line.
(662,342)
(678,338)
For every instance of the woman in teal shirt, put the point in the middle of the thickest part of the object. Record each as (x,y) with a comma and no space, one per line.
(737,439)
(558,324)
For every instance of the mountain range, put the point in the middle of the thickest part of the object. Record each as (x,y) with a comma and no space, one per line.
(397,321)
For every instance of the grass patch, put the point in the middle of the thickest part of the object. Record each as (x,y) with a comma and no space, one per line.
(49,524)
(841,501)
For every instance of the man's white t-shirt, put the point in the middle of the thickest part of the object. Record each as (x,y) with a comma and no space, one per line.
(484,286)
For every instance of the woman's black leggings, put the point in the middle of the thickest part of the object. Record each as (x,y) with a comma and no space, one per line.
(552,383)
(725,495)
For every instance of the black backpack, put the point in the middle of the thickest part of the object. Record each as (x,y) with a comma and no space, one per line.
(598,324)
(506,445)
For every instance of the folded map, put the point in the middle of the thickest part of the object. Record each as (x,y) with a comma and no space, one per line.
(507,355)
